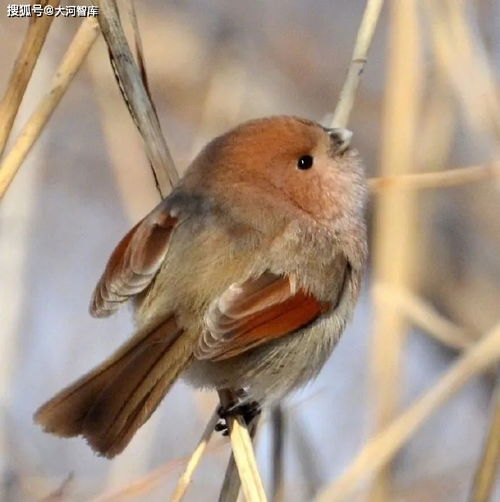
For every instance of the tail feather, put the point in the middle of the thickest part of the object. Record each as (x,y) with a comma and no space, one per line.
(110,403)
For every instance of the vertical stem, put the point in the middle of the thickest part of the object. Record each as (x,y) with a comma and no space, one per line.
(277,456)
(242,463)
(136,96)
(231,484)
(484,478)
(395,217)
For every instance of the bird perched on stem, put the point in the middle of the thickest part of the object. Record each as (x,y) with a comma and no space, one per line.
(243,278)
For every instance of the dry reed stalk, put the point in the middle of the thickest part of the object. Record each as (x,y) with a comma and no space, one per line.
(395,217)
(454,41)
(230,493)
(484,478)
(476,59)
(441,179)
(22,71)
(358,61)
(277,454)
(139,51)
(187,475)
(137,98)
(231,484)
(423,315)
(129,462)
(127,159)
(72,60)
(383,446)
(244,457)
(437,125)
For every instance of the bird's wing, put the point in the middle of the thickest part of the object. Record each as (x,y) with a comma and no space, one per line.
(135,260)
(255,312)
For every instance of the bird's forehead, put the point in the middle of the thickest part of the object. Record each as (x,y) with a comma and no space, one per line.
(279,133)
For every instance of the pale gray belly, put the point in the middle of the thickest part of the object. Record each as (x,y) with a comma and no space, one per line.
(269,372)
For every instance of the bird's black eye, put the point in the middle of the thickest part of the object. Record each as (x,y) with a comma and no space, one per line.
(305,162)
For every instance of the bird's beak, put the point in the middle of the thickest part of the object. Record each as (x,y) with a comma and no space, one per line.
(341,138)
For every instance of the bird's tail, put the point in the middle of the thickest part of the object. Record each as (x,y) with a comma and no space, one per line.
(109,404)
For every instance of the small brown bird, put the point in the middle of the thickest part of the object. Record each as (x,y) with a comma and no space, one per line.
(242,279)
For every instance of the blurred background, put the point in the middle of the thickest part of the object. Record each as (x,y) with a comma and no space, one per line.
(428,102)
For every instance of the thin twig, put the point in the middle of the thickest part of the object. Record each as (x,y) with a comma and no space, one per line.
(441,179)
(74,57)
(358,62)
(384,445)
(22,71)
(244,455)
(137,98)
(487,468)
(186,476)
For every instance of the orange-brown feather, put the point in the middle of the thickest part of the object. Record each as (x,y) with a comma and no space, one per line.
(110,403)
(255,312)
(134,262)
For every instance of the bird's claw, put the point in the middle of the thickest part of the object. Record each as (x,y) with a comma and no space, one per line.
(248,411)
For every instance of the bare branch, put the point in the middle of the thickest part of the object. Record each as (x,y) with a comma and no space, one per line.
(358,62)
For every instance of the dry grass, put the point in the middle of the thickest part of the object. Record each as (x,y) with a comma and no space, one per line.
(74,57)
(23,69)
(384,445)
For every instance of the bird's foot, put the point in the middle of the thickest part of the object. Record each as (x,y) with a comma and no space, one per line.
(248,411)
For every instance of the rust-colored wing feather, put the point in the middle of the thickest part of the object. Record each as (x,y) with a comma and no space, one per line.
(134,262)
(255,312)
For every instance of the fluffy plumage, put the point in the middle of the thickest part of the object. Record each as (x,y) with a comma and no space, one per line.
(243,278)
